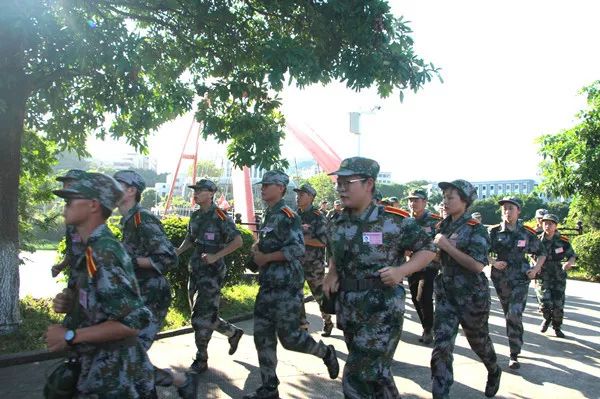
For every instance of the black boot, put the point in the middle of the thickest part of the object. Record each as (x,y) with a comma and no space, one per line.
(493,382)
(234,340)
(331,362)
(545,325)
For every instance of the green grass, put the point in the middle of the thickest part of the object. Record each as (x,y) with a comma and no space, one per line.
(37,316)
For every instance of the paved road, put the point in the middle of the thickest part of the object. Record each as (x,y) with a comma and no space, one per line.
(551,367)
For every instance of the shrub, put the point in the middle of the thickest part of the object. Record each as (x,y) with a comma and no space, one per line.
(587,248)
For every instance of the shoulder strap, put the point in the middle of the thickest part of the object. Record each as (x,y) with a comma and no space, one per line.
(396,211)
(89,262)
(288,212)
(529,229)
(137,218)
(220,213)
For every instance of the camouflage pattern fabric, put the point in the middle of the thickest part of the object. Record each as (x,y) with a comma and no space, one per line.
(552,280)
(461,298)
(144,236)
(512,283)
(372,319)
(74,249)
(131,178)
(97,186)
(108,290)
(210,231)
(421,283)
(358,166)
(313,262)
(279,299)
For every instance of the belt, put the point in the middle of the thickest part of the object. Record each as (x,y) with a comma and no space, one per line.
(350,284)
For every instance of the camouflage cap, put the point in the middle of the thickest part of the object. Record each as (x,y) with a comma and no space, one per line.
(307,188)
(72,174)
(96,186)
(463,186)
(275,177)
(417,194)
(377,196)
(550,217)
(131,178)
(337,202)
(393,199)
(204,184)
(358,166)
(476,215)
(540,213)
(511,200)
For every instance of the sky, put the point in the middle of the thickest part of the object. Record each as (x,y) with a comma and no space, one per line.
(512,71)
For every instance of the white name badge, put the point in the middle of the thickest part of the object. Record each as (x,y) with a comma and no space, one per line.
(373,238)
(209,236)
(521,243)
(559,250)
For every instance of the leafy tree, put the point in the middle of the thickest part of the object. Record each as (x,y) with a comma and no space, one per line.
(207,168)
(571,158)
(392,190)
(149,198)
(325,188)
(124,67)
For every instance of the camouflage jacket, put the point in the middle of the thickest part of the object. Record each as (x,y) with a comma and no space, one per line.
(467,235)
(513,246)
(144,236)
(558,250)
(363,244)
(428,222)
(281,231)
(108,290)
(318,227)
(210,231)
(74,249)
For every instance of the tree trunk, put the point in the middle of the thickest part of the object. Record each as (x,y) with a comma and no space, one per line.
(13,98)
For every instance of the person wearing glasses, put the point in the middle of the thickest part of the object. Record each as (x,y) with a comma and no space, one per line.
(462,296)
(366,268)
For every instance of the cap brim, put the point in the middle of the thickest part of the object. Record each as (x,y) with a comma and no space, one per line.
(444,185)
(509,202)
(68,193)
(343,172)
(414,197)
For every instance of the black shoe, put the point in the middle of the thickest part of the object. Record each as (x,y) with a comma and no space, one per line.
(327,328)
(427,338)
(331,362)
(545,325)
(234,340)
(189,390)
(493,382)
(559,333)
(263,393)
(513,363)
(199,366)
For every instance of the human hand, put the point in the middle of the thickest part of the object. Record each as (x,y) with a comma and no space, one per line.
(55,338)
(63,301)
(209,258)
(391,276)
(331,284)
(500,264)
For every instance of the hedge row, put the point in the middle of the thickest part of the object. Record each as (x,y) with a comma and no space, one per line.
(176,228)
(587,248)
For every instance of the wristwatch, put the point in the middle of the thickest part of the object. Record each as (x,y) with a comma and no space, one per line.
(69,337)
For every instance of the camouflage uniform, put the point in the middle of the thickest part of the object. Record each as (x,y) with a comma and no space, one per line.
(210,231)
(279,300)
(313,262)
(108,290)
(370,313)
(421,283)
(461,297)
(512,283)
(552,280)
(144,236)
(74,249)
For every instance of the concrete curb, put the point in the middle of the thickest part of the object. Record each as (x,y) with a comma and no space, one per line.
(15,359)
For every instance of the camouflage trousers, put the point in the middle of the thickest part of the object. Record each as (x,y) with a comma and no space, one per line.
(372,323)
(550,292)
(314,274)
(204,292)
(124,372)
(513,298)
(156,294)
(468,306)
(277,315)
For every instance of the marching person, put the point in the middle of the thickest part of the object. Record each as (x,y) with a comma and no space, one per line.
(462,296)
(511,273)
(552,280)
(106,307)
(314,228)
(421,282)
(277,254)
(213,235)
(366,267)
